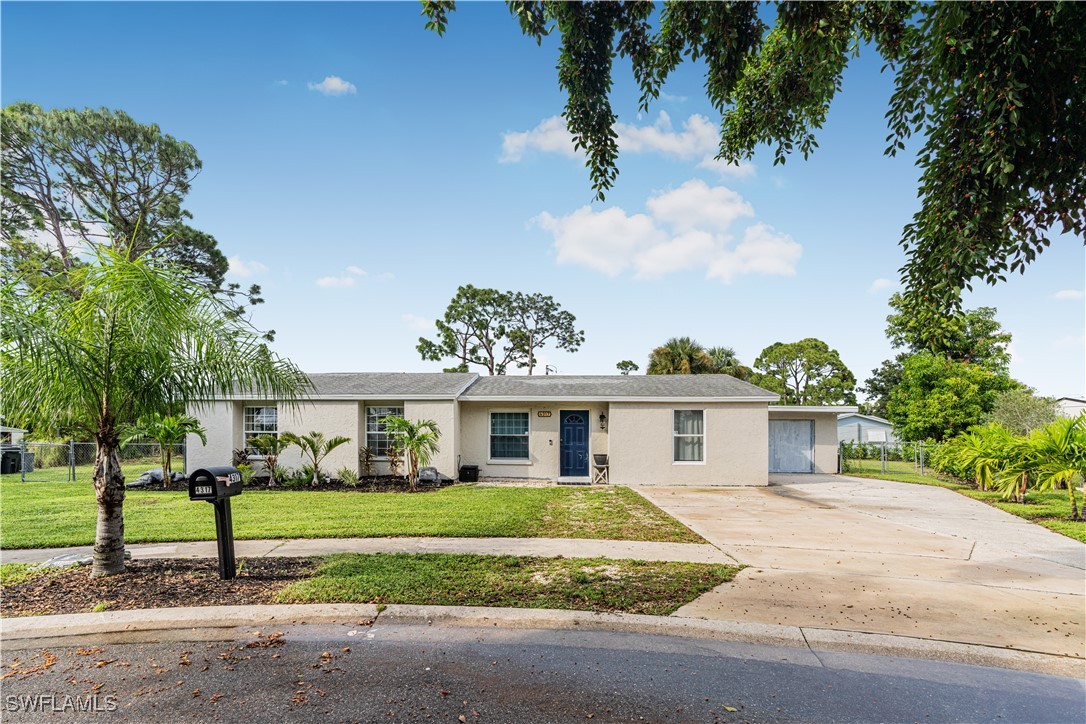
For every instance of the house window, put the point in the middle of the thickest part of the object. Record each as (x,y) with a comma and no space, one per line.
(509,435)
(260,421)
(689,436)
(377,439)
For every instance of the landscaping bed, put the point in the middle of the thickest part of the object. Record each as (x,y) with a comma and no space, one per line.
(148,583)
(583,584)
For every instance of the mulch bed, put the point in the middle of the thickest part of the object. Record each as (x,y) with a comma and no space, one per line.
(382,484)
(153,583)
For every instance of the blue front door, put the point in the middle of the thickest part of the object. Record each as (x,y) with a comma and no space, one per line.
(574,448)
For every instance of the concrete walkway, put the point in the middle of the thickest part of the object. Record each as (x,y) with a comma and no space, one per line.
(553,547)
(882,557)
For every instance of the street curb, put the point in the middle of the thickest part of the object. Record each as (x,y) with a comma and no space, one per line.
(207,622)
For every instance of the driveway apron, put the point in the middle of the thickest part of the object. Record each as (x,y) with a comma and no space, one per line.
(883,557)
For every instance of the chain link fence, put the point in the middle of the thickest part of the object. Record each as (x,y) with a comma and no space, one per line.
(59,462)
(887,458)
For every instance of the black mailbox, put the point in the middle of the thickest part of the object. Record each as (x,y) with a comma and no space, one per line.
(214,483)
(217,485)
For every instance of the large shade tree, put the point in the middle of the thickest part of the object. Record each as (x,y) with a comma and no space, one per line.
(136,340)
(992,91)
(73,179)
(807,372)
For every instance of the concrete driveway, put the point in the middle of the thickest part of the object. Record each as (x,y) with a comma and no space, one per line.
(867,555)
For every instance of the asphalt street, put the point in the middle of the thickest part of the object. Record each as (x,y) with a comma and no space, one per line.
(392,673)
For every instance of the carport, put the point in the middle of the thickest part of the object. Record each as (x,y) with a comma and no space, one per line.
(803,438)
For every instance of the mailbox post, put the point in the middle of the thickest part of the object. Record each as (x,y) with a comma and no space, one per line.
(217,485)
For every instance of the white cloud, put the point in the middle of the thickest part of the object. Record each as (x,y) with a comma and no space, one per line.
(282,82)
(417,323)
(673,99)
(1069,294)
(333,85)
(762,251)
(605,241)
(244,269)
(696,205)
(550,136)
(880,285)
(357,271)
(332,282)
(698,139)
(683,229)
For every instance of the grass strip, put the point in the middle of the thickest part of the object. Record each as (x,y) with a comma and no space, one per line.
(582,584)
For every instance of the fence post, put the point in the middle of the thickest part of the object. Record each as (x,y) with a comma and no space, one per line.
(71,460)
(883,448)
(921,458)
(22,460)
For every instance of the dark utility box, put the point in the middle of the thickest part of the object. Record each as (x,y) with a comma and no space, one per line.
(214,483)
(469,473)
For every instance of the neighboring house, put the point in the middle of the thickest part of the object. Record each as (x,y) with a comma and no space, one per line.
(11,435)
(655,430)
(1071,406)
(854,427)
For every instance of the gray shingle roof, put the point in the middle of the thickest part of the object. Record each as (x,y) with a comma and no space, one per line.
(604,387)
(393,385)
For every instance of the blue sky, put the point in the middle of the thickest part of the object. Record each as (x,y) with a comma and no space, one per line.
(360,169)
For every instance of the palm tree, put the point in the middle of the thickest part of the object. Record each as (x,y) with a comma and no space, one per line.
(418,440)
(167,431)
(984,452)
(129,338)
(315,447)
(679,356)
(726,363)
(269,447)
(1058,456)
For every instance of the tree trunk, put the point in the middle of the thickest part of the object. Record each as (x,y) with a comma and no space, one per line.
(166,473)
(1074,505)
(109,492)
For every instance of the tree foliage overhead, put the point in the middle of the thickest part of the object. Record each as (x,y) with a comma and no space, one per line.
(994,90)
(806,372)
(494,329)
(686,356)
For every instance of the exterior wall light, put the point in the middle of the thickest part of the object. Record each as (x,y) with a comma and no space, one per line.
(603,421)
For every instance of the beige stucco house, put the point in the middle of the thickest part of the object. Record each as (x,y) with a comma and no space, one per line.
(646,430)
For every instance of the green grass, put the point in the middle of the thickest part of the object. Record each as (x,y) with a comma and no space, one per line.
(585,584)
(43,515)
(1049,508)
(12,574)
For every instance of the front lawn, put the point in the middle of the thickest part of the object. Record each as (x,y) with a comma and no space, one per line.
(44,515)
(1050,508)
(583,584)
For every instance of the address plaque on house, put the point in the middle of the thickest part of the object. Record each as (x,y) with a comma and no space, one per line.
(543,413)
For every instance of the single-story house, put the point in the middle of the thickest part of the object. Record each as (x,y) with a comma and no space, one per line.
(11,435)
(654,430)
(854,427)
(1071,406)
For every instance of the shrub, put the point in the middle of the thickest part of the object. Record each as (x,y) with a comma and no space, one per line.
(348,477)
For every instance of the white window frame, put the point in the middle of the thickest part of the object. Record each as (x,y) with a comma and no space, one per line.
(246,432)
(369,432)
(703,435)
(489,438)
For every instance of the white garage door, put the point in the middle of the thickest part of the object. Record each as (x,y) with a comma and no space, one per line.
(791,446)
